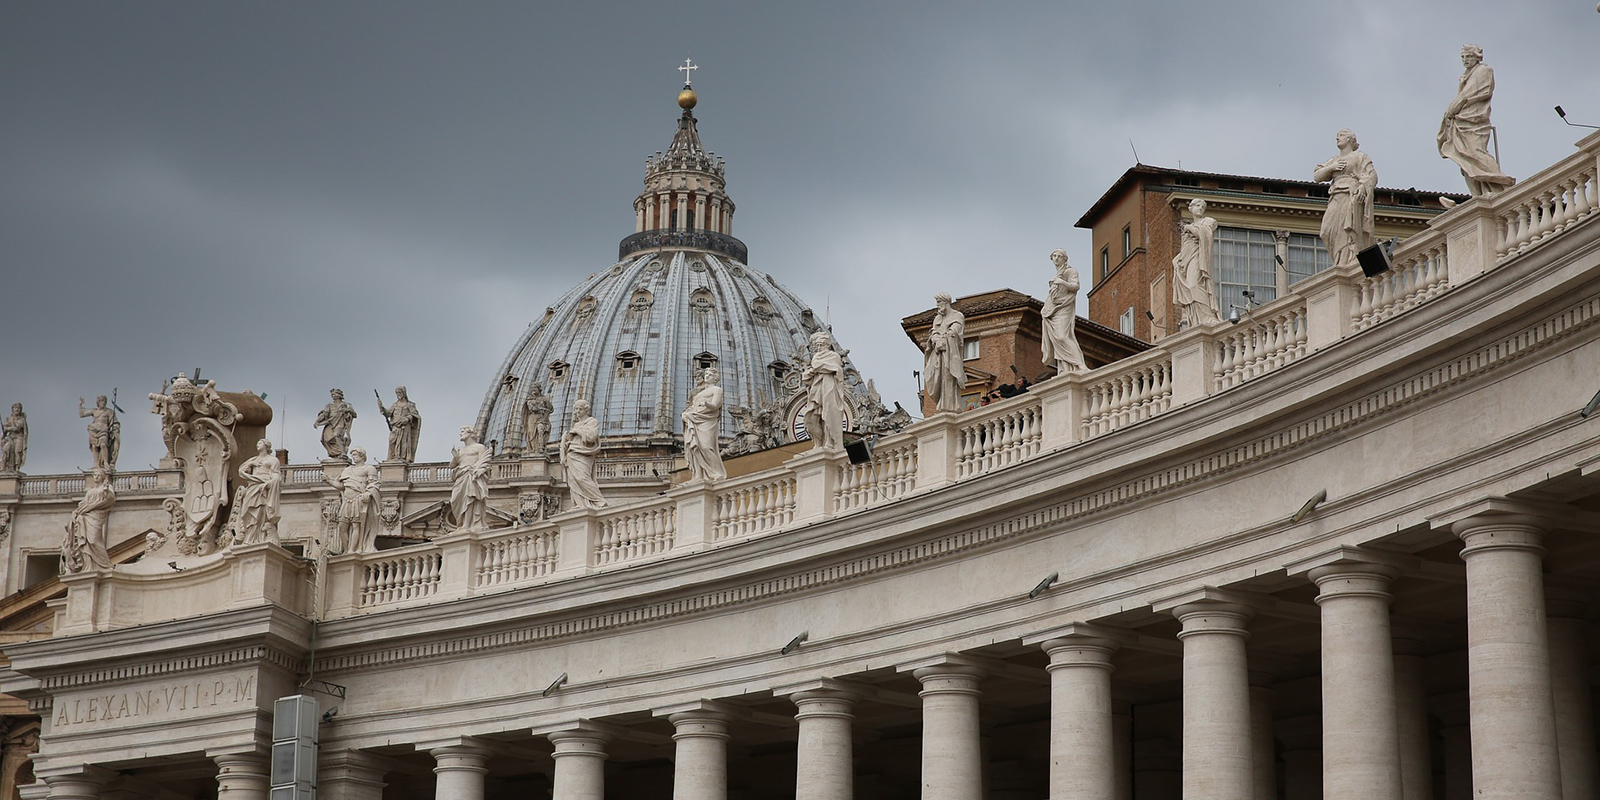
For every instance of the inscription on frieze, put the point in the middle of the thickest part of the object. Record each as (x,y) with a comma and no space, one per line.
(152,703)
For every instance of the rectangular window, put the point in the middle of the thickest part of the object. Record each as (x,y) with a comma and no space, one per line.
(1105,260)
(1307,256)
(1244,259)
(1127,240)
(969,349)
(1125,322)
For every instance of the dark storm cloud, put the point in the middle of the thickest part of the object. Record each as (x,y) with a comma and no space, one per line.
(360,194)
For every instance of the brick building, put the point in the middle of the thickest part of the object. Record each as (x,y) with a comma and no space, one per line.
(1267,238)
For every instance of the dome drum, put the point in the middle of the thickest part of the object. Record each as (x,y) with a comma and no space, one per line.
(710,241)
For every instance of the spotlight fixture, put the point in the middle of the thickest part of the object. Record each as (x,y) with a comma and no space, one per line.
(1233,316)
(327,716)
(554,685)
(1560,112)
(1310,506)
(1044,584)
(794,644)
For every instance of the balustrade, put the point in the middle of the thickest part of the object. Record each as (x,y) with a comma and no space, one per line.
(892,473)
(1001,435)
(1542,207)
(636,533)
(398,578)
(516,558)
(1414,280)
(1128,395)
(752,507)
(1267,339)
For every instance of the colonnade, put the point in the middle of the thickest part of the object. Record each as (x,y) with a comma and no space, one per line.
(683,210)
(1531,731)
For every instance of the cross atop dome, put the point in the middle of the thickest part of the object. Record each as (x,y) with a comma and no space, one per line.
(687,70)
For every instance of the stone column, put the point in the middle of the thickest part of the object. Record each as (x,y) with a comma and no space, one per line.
(460,769)
(85,785)
(824,765)
(952,764)
(1411,711)
(350,775)
(1569,676)
(1281,250)
(1263,752)
(1360,731)
(1508,661)
(700,768)
(1216,701)
(1122,748)
(580,765)
(1082,743)
(241,776)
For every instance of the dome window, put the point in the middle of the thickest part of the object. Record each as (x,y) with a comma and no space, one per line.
(778,370)
(702,302)
(627,363)
(704,361)
(761,309)
(586,309)
(697,265)
(639,305)
(558,370)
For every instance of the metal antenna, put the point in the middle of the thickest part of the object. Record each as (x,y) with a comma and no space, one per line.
(1560,112)
(1135,150)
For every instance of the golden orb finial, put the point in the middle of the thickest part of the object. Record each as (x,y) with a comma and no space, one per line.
(686,99)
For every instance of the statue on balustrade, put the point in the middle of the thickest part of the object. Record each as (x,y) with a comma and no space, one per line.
(85,545)
(1060,315)
(105,432)
(536,411)
(335,419)
(1465,130)
(1193,285)
(254,518)
(579,448)
(701,419)
(14,440)
(942,367)
(1347,224)
(825,394)
(355,523)
(469,494)
(405,425)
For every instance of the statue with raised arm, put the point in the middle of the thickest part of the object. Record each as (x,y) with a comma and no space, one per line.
(825,394)
(579,447)
(1193,286)
(469,494)
(1347,224)
(1060,316)
(85,544)
(105,432)
(942,365)
(1465,130)
(334,419)
(701,417)
(255,516)
(536,411)
(355,527)
(405,425)
(14,440)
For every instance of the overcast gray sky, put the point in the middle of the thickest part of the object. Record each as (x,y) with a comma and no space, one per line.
(300,195)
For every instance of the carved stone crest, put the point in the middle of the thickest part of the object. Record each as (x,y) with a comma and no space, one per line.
(389,515)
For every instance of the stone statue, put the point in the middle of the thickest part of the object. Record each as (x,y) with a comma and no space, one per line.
(942,367)
(701,417)
(105,432)
(405,425)
(355,527)
(1060,316)
(1464,132)
(85,545)
(825,393)
(579,447)
(1347,226)
(14,440)
(334,419)
(536,410)
(469,494)
(254,518)
(1193,286)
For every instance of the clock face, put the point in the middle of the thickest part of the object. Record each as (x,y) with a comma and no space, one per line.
(797,423)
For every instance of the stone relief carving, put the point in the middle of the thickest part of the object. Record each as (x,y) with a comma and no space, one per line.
(761,310)
(579,448)
(85,544)
(5,525)
(701,418)
(1465,130)
(1193,288)
(105,432)
(197,426)
(537,505)
(355,527)
(254,516)
(334,419)
(405,425)
(1347,224)
(942,370)
(1060,315)
(825,393)
(14,440)
(389,516)
(468,509)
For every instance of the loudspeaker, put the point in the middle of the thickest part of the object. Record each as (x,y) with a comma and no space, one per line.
(859,451)
(1374,261)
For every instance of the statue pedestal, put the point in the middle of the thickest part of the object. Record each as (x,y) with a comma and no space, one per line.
(391,472)
(10,483)
(333,467)
(244,577)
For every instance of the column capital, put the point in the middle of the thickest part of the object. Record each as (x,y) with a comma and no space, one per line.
(822,686)
(824,703)
(1213,616)
(242,763)
(1079,650)
(1353,579)
(699,724)
(1500,532)
(579,742)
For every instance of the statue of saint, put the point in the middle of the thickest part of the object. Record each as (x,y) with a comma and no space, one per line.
(405,425)
(334,419)
(85,545)
(260,485)
(942,367)
(1060,315)
(825,395)
(1193,287)
(105,432)
(14,440)
(1347,226)
(356,521)
(469,494)
(1464,132)
(701,417)
(579,447)
(536,411)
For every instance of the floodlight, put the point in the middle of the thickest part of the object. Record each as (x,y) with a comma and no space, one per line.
(1310,506)
(1043,585)
(794,644)
(554,685)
